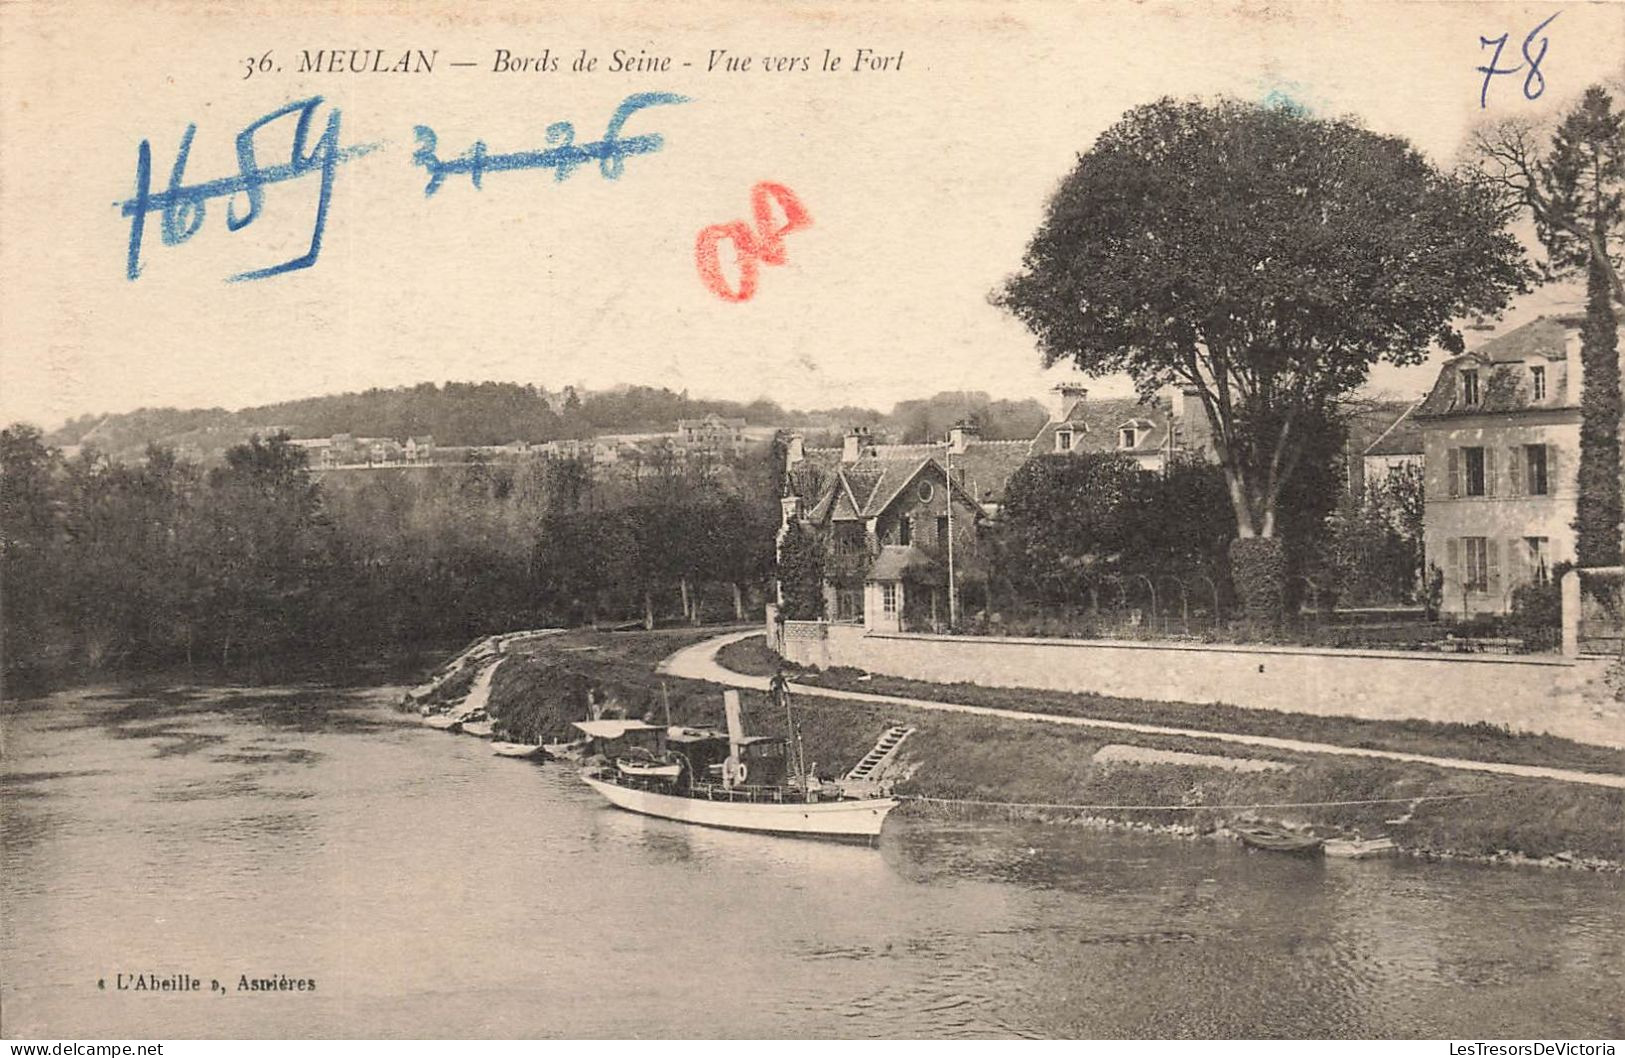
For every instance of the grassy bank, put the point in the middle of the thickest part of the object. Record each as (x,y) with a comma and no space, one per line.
(987,759)
(1486,742)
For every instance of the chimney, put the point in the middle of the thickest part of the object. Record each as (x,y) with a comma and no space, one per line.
(854,444)
(962,434)
(795,450)
(1066,395)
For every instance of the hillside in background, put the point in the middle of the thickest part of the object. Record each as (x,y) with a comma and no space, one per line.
(488,413)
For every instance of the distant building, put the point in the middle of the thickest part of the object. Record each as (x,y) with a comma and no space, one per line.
(711,433)
(1398,448)
(419,449)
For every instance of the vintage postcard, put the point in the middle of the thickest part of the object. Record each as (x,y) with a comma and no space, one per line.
(1002,519)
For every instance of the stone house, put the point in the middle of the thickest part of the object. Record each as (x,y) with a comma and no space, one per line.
(888,520)
(1501,439)
(886,509)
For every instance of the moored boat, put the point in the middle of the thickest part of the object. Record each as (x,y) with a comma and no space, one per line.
(1270,837)
(519,750)
(442,722)
(1360,848)
(479,728)
(761,782)
(737,809)
(576,750)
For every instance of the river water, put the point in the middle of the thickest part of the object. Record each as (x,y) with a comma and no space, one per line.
(433,890)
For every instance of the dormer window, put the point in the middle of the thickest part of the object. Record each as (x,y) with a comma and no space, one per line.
(1063,440)
(1127,437)
(1469,387)
(1537,382)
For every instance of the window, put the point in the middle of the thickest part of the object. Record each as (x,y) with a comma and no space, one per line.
(849,604)
(1539,483)
(925,491)
(1537,557)
(905,531)
(1128,439)
(888,599)
(1537,382)
(1473,471)
(942,530)
(1469,387)
(848,539)
(1476,572)
(1063,440)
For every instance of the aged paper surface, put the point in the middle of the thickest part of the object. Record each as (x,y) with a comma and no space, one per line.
(228,205)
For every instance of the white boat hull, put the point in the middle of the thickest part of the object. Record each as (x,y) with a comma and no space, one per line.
(833,819)
(519,750)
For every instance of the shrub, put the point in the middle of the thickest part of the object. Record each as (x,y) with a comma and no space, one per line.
(1258,569)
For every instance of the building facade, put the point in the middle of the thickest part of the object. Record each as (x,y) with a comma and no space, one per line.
(1501,442)
(888,511)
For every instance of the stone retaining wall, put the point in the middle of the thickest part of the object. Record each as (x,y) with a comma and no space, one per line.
(1561,696)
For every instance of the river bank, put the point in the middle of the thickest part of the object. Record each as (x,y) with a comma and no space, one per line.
(1429,812)
(320,834)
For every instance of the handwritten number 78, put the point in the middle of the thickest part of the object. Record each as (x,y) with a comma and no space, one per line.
(1534,82)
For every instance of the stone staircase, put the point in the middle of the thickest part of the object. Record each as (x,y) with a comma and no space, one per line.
(885,749)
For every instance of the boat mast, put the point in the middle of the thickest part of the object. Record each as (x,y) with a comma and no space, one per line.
(781,690)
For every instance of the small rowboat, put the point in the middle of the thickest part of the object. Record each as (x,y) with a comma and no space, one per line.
(442,722)
(1360,848)
(479,728)
(1272,838)
(648,769)
(568,750)
(520,750)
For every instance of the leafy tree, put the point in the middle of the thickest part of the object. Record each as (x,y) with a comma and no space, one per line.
(1575,191)
(1266,259)
(30,539)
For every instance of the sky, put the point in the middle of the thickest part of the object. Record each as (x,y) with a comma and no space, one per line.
(921,183)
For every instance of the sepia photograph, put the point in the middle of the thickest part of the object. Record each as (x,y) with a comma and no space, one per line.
(986,520)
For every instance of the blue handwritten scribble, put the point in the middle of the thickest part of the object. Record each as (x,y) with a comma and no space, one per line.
(1282,100)
(1534,82)
(562,154)
(184,205)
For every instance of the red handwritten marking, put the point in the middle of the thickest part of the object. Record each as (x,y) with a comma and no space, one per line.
(763,245)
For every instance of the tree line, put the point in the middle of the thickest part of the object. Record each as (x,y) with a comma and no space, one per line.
(107,563)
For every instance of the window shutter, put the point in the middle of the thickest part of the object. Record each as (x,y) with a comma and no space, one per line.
(1452,560)
(1489,472)
(1492,565)
(1455,478)
(1552,470)
(1515,461)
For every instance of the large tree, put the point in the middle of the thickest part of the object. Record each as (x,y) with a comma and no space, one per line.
(1266,258)
(1574,188)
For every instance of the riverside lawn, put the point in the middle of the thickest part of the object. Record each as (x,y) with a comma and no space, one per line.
(542,687)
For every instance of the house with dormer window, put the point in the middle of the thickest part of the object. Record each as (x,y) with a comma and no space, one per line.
(887,510)
(1501,442)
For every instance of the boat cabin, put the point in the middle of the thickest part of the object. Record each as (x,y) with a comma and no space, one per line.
(615,738)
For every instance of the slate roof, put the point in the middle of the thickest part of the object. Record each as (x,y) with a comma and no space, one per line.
(1402,438)
(863,489)
(1095,425)
(1504,385)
